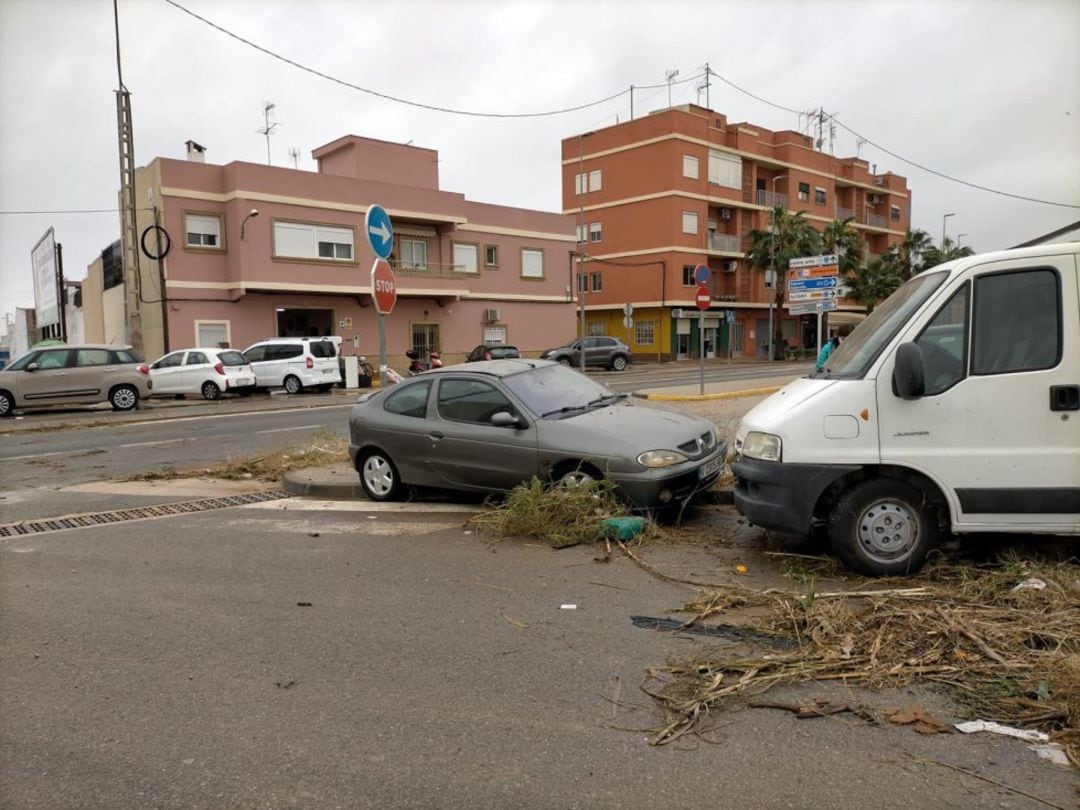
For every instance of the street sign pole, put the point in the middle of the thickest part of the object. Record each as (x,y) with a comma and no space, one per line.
(380,235)
(384,379)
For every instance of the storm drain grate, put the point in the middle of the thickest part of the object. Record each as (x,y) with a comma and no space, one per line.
(141,513)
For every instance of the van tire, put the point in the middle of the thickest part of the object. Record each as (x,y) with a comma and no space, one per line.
(210,390)
(883,527)
(7,404)
(124,398)
(293,385)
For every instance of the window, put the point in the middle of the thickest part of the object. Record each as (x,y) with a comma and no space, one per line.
(532,263)
(581,234)
(202,230)
(298,240)
(425,338)
(689,221)
(94,357)
(52,358)
(410,400)
(690,167)
(819,195)
(688,279)
(1017,322)
(644,332)
(595,231)
(195,359)
(491,256)
(494,335)
(944,344)
(597,280)
(413,253)
(594,180)
(804,192)
(595,329)
(582,283)
(170,360)
(894,213)
(212,333)
(471,401)
(587,181)
(725,170)
(465,258)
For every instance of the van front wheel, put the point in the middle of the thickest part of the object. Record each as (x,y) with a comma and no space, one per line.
(883,527)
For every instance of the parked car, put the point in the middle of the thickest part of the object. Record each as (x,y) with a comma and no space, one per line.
(208,372)
(295,363)
(493,426)
(600,350)
(75,375)
(494,351)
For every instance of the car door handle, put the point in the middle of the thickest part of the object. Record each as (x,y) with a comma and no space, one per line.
(435,434)
(1065,397)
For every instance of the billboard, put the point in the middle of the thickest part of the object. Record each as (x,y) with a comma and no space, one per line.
(46,281)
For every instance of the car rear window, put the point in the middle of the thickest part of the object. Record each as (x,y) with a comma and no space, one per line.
(127,356)
(233,359)
(322,348)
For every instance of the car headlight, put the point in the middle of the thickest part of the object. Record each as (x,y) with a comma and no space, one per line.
(660,458)
(762,446)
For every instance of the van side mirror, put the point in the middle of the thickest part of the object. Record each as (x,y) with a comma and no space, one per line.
(909,377)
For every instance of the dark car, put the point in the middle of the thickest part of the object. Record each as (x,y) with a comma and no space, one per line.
(491,426)
(600,350)
(492,352)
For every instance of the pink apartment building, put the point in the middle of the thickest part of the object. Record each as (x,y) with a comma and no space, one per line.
(261,251)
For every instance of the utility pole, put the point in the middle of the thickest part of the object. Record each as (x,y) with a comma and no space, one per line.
(128,223)
(582,235)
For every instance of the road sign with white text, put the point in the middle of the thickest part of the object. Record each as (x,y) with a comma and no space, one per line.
(800,284)
(817,295)
(379,231)
(383,287)
(703,297)
(814,272)
(814,261)
(812,307)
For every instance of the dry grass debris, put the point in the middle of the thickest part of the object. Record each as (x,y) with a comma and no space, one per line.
(1011,654)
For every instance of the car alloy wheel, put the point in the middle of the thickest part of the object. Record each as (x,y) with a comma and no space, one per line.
(379,477)
(124,398)
(619,363)
(210,390)
(7,404)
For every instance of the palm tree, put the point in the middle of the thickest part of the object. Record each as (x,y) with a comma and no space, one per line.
(789,237)
(946,253)
(843,240)
(912,250)
(875,282)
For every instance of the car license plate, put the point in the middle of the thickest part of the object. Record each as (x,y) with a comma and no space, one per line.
(243,380)
(329,371)
(712,467)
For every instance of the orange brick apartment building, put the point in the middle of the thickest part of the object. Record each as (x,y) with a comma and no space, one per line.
(657,196)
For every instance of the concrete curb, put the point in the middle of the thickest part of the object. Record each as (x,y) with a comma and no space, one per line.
(749,392)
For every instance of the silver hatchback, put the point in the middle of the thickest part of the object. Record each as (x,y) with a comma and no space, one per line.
(490,426)
(75,375)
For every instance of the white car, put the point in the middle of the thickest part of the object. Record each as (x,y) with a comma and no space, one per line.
(295,363)
(208,372)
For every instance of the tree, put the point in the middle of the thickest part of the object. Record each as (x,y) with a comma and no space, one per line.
(875,282)
(843,240)
(946,253)
(789,236)
(915,245)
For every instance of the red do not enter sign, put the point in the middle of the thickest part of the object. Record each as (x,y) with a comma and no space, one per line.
(703,297)
(383,287)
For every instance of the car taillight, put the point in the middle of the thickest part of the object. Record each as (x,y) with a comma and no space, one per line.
(219,367)
(310,363)
(143,368)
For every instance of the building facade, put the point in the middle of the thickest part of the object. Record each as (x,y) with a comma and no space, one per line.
(655,197)
(235,253)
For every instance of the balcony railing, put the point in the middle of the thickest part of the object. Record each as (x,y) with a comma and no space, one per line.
(431,270)
(771,199)
(844,213)
(723,242)
(876,220)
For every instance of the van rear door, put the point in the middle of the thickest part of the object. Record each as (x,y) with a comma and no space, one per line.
(998,426)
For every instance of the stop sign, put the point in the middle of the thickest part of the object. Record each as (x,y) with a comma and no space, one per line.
(383,287)
(703,296)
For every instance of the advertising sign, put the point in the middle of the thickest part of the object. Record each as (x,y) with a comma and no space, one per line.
(46,284)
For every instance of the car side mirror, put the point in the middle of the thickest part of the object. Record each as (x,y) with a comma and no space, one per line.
(31,367)
(909,376)
(506,419)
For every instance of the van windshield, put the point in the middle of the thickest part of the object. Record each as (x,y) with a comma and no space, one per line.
(857,351)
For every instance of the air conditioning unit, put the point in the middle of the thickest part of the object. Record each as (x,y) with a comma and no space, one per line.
(491,315)
(725,213)
(879,181)
(730,265)
(874,198)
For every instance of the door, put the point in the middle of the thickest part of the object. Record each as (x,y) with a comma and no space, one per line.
(92,373)
(998,426)
(467,450)
(50,381)
(736,347)
(165,371)
(195,371)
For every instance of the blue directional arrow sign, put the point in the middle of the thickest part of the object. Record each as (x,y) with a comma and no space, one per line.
(812,283)
(379,231)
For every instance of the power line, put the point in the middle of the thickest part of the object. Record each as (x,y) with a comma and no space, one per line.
(901,158)
(398,100)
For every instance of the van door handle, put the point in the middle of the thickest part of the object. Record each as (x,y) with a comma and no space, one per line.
(1065,397)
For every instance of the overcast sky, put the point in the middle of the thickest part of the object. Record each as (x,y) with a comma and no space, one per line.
(987,92)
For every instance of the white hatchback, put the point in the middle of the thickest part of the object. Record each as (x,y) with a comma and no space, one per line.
(208,372)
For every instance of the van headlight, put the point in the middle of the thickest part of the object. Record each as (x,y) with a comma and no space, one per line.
(762,446)
(660,458)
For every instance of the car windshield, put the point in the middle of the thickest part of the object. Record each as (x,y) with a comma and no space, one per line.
(550,390)
(858,350)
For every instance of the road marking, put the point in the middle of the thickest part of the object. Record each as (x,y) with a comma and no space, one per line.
(282,430)
(39,455)
(304,504)
(148,444)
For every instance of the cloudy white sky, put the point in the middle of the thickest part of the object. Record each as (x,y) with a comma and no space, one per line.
(987,92)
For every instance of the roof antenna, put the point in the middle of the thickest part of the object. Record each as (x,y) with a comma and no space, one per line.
(294,153)
(670,77)
(268,130)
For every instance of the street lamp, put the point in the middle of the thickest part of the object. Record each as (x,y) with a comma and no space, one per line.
(959,236)
(945,217)
(254,213)
(772,268)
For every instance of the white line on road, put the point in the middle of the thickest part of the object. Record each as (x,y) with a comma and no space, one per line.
(148,444)
(41,455)
(282,430)
(361,505)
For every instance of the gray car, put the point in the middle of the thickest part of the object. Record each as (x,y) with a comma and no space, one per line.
(599,350)
(487,427)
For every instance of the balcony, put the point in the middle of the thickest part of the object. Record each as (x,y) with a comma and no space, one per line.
(771,199)
(876,220)
(724,243)
(844,213)
(431,270)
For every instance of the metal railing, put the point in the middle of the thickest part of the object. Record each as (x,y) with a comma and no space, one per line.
(771,199)
(431,270)
(876,220)
(724,242)
(844,213)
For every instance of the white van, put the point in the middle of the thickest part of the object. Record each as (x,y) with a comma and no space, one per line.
(954,406)
(296,363)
